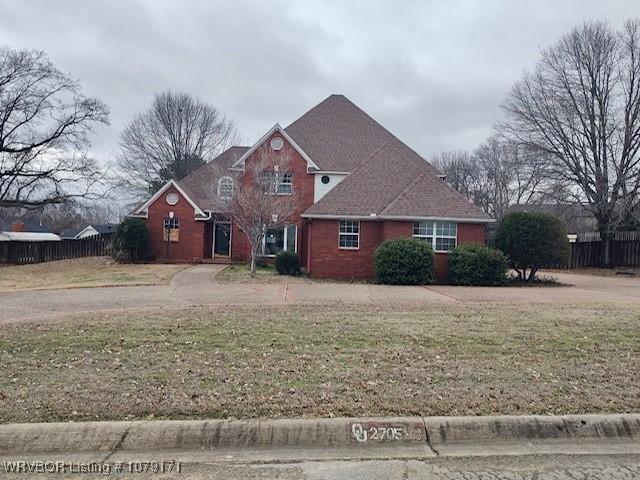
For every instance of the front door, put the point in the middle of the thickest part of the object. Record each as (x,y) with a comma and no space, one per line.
(222,237)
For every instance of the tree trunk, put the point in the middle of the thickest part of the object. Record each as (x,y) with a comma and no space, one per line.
(253,263)
(606,237)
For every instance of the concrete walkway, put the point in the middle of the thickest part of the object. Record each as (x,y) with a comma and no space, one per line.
(197,286)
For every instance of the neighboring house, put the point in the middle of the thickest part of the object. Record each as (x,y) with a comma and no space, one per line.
(88,231)
(28,237)
(357,185)
(576,218)
(26,230)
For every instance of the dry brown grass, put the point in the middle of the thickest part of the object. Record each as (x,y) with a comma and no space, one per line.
(620,272)
(322,361)
(83,272)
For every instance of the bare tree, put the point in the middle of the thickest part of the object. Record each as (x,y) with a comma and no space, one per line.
(264,198)
(461,171)
(581,107)
(174,137)
(44,126)
(498,174)
(509,174)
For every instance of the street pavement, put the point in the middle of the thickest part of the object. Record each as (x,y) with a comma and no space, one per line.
(551,467)
(197,286)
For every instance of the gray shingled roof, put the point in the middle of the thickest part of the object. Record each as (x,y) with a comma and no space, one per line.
(387,179)
(394,184)
(338,136)
(202,184)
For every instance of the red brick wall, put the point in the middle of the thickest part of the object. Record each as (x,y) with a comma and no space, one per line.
(303,186)
(190,246)
(395,229)
(472,233)
(329,261)
(326,260)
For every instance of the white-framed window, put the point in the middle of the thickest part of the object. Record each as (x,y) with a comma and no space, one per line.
(285,184)
(278,239)
(171,223)
(442,236)
(225,188)
(276,182)
(349,234)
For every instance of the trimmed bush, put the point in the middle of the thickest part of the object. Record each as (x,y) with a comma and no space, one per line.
(532,241)
(131,240)
(287,263)
(404,261)
(477,265)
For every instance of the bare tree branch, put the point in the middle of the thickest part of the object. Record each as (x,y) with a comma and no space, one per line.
(264,198)
(174,137)
(44,127)
(581,107)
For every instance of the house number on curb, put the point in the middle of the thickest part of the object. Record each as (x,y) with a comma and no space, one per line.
(364,434)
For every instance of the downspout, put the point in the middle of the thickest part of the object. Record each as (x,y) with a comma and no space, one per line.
(309,223)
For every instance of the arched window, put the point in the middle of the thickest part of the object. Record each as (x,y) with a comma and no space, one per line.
(225,188)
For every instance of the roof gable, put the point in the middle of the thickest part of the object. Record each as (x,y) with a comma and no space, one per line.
(142,210)
(265,137)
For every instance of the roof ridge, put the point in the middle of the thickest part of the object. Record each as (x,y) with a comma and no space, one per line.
(403,191)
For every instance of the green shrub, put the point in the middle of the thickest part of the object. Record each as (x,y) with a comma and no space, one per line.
(130,242)
(404,261)
(532,241)
(477,265)
(287,263)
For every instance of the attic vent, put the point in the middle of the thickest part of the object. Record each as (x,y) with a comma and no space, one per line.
(277,143)
(172,198)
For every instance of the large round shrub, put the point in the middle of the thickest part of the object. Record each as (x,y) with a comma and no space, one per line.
(532,241)
(477,265)
(404,261)
(287,263)
(130,242)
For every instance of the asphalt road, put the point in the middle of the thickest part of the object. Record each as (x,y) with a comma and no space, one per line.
(556,467)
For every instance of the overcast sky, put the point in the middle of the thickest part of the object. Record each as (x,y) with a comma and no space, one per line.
(432,72)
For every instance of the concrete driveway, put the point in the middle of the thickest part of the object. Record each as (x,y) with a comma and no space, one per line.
(197,286)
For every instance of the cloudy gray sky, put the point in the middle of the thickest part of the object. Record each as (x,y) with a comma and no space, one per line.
(433,72)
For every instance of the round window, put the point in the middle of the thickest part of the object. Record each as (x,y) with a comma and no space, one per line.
(277,143)
(172,198)
(325,179)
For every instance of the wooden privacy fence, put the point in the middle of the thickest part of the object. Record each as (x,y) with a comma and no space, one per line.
(19,253)
(587,250)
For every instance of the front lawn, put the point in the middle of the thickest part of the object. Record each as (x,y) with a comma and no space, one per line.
(324,361)
(240,273)
(83,272)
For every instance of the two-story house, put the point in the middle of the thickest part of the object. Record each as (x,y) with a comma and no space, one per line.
(356,183)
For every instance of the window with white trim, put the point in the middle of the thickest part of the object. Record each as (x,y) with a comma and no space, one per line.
(275,182)
(285,184)
(225,188)
(442,236)
(278,239)
(349,234)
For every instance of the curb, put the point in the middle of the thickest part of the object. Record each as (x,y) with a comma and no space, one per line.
(416,436)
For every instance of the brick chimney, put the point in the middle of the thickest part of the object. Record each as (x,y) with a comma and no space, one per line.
(17,226)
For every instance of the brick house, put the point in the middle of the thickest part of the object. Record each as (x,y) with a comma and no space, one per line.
(356,183)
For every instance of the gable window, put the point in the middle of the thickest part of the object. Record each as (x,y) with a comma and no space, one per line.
(279,239)
(440,235)
(349,235)
(225,188)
